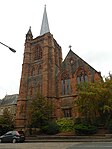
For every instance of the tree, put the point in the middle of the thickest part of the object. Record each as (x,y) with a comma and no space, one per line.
(108,106)
(8,118)
(6,121)
(95,100)
(39,111)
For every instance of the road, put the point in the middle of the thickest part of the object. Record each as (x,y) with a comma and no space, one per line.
(58,145)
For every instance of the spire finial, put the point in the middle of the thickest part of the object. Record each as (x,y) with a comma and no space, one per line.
(70,47)
(45,24)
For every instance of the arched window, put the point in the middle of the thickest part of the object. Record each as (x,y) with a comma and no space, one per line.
(38,53)
(82,77)
(66,86)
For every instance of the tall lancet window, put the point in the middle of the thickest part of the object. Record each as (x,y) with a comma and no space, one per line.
(38,53)
(66,85)
(82,76)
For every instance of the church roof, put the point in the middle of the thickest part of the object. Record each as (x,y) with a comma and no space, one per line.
(45,24)
(76,62)
(9,99)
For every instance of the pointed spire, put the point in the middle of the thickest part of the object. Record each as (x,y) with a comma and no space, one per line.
(29,35)
(45,24)
(29,31)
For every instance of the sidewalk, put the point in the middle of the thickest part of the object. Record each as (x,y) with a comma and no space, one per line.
(105,138)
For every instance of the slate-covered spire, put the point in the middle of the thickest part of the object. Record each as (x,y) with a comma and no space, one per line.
(45,24)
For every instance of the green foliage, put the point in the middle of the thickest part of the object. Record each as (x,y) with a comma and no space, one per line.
(109,126)
(83,126)
(82,121)
(65,124)
(95,101)
(6,122)
(7,117)
(83,129)
(51,128)
(39,111)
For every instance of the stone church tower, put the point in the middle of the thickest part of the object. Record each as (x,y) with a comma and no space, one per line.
(44,72)
(42,60)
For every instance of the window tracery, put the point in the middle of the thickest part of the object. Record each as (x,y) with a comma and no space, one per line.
(38,53)
(82,77)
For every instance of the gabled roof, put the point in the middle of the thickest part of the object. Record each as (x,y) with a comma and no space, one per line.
(77,62)
(45,24)
(10,99)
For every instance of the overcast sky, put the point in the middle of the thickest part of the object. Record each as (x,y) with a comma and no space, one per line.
(84,24)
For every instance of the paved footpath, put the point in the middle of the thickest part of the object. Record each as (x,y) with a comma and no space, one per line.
(57,145)
(105,138)
(37,145)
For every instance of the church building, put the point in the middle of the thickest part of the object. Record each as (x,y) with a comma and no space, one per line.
(44,72)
